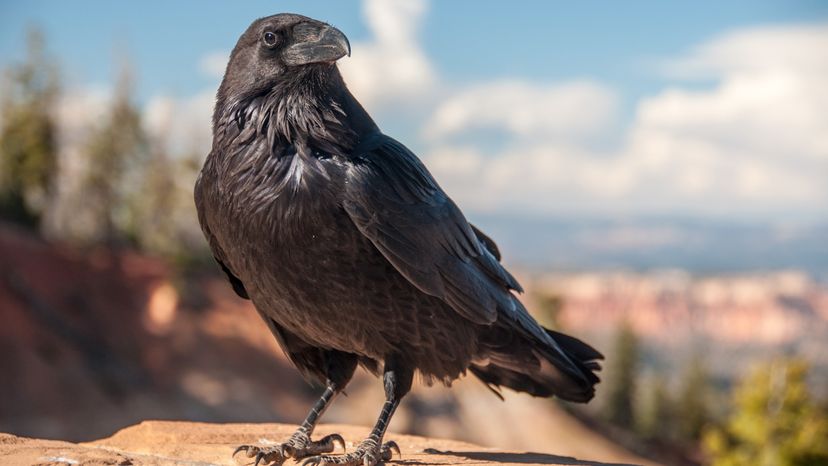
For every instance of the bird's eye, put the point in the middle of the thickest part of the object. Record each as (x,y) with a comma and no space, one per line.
(269,38)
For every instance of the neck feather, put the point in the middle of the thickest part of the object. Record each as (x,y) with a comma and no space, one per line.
(311,107)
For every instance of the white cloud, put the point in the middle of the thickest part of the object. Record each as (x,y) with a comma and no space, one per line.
(78,112)
(567,109)
(392,67)
(214,63)
(770,114)
(758,138)
(183,124)
(535,177)
(754,143)
(757,49)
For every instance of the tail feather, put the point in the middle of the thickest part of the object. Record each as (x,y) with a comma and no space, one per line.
(579,351)
(536,368)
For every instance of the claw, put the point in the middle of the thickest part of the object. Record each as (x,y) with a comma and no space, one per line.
(368,453)
(391,446)
(245,448)
(298,446)
(335,439)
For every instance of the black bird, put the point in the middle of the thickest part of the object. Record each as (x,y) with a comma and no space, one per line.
(351,251)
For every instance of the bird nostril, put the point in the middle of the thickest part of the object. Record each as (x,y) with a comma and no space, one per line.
(304,31)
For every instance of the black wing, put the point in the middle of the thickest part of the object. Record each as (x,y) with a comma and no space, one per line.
(394,201)
(235,282)
(488,242)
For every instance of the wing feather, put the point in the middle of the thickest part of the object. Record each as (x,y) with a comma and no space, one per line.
(218,255)
(394,201)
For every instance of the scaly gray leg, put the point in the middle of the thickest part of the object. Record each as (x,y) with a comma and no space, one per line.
(299,445)
(397,379)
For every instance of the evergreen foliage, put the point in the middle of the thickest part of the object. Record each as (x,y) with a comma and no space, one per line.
(621,378)
(28,135)
(775,421)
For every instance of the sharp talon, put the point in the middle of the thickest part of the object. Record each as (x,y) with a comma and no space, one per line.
(392,446)
(337,439)
(341,441)
(240,448)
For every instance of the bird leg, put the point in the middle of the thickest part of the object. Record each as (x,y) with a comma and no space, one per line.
(397,381)
(299,445)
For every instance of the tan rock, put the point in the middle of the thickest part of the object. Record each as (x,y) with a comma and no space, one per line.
(191,443)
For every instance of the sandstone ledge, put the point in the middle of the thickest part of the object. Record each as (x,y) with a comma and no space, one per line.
(192,443)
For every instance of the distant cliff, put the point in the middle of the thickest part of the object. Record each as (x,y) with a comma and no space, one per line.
(731,320)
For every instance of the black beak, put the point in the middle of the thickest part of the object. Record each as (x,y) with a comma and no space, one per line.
(316,43)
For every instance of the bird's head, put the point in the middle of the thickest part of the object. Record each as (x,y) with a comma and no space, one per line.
(276,47)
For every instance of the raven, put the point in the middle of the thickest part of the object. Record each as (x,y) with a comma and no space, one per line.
(349,249)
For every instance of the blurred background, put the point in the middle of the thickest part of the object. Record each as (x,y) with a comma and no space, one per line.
(656,174)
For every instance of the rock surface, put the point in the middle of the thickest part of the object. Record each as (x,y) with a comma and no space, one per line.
(190,443)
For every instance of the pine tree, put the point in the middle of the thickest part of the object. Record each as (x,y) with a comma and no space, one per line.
(28,136)
(655,417)
(622,374)
(156,202)
(775,421)
(115,153)
(692,404)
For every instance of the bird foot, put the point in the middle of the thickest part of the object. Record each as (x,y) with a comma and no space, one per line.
(298,446)
(368,453)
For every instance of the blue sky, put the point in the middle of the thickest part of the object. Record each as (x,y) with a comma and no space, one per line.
(709,109)
(468,40)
